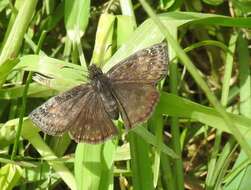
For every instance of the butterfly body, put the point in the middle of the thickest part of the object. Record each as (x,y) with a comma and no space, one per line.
(102,85)
(86,111)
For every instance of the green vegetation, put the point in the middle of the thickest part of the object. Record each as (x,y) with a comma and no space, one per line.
(197,138)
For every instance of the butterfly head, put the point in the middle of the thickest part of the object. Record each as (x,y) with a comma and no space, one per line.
(94,71)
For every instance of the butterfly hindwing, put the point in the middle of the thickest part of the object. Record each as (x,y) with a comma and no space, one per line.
(93,124)
(137,102)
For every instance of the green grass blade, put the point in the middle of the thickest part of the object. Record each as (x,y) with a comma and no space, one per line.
(103,41)
(175,106)
(175,131)
(76,18)
(15,38)
(94,166)
(242,179)
(35,90)
(30,133)
(9,176)
(151,139)
(141,164)
(213,170)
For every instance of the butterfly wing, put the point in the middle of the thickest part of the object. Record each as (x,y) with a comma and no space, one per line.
(137,102)
(145,66)
(55,115)
(93,124)
(134,83)
(79,111)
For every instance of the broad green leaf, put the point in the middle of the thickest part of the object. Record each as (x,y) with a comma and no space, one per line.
(9,176)
(94,171)
(176,106)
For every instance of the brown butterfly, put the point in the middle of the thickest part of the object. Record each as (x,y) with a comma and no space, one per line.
(128,88)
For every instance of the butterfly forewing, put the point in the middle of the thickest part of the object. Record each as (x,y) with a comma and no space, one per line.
(93,124)
(55,115)
(145,66)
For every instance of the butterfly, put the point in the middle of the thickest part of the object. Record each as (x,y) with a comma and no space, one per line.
(87,110)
